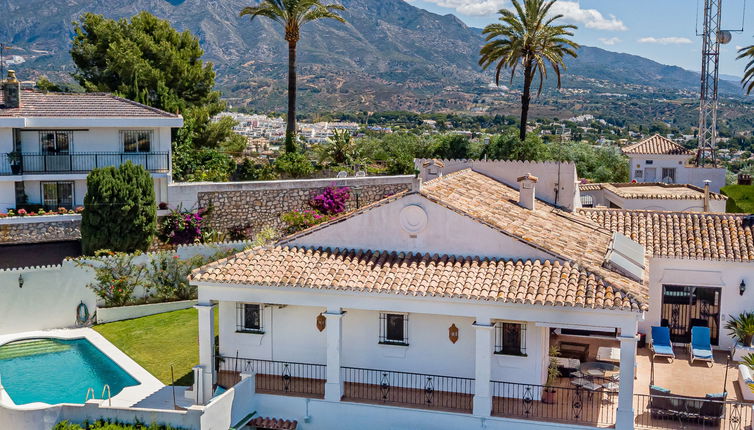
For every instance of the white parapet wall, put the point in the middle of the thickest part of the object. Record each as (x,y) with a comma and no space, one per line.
(120,313)
(46,297)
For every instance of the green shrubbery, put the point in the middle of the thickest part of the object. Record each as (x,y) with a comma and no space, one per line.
(119,210)
(108,425)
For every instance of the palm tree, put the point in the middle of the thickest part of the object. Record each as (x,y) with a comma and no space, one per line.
(292,14)
(340,148)
(748,80)
(527,38)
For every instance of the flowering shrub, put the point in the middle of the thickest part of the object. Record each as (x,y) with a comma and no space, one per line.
(300,220)
(115,277)
(182,228)
(40,212)
(169,276)
(331,201)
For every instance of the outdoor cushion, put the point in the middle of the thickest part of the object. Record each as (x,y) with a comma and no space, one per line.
(701,353)
(662,349)
(661,403)
(659,389)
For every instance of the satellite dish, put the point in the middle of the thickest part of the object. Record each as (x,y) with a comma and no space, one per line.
(724,37)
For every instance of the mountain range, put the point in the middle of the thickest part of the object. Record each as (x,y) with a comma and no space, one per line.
(388,55)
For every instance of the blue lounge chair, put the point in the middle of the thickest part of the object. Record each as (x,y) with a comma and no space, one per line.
(701,349)
(661,346)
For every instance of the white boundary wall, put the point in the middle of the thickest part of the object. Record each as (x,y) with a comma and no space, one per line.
(105,315)
(50,294)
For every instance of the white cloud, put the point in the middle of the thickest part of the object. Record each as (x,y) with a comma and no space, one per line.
(590,18)
(665,40)
(609,41)
(570,9)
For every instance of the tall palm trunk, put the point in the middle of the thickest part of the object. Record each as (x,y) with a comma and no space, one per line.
(525,99)
(290,131)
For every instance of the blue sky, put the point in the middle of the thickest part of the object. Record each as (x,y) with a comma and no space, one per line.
(662,30)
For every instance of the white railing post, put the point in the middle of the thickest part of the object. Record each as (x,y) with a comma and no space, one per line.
(334,332)
(483,368)
(625,415)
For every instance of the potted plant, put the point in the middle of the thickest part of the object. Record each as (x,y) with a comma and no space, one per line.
(741,328)
(549,394)
(14,158)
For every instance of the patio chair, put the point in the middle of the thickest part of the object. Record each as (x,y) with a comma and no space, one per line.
(701,349)
(661,346)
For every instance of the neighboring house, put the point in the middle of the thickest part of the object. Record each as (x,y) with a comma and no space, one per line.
(49,142)
(701,268)
(454,290)
(654,196)
(659,159)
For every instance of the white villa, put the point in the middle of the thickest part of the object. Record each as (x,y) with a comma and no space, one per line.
(50,142)
(434,308)
(659,159)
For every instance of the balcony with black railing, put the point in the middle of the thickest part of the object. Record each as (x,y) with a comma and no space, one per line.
(78,162)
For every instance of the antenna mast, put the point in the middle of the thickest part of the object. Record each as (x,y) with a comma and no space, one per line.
(712,37)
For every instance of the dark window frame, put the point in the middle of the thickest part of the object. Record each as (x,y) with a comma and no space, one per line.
(138,143)
(58,202)
(510,338)
(51,147)
(388,319)
(241,318)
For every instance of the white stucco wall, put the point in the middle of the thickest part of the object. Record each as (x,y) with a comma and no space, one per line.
(6,139)
(102,139)
(683,175)
(291,335)
(701,273)
(7,195)
(447,232)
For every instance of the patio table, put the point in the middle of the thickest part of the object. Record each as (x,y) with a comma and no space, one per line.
(597,368)
(580,381)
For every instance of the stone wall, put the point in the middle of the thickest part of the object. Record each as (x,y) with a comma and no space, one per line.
(261,204)
(54,228)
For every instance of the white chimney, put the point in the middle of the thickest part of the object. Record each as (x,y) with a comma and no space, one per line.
(526,195)
(706,195)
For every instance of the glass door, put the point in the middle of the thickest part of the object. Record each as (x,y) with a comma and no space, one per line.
(56,146)
(57,194)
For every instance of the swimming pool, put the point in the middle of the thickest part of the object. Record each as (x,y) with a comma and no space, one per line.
(58,371)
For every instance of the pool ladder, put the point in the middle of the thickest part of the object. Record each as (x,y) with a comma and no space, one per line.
(106,388)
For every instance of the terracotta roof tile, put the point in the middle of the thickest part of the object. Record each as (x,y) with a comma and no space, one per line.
(707,236)
(557,232)
(101,105)
(273,423)
(656,145)
(535,282)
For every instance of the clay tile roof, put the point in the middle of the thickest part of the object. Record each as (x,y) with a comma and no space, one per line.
(273,423)
(654,190)
(435,161)
(557,232)
(706,236)
(528,176)
(590,187)
(71,105)
(656,145)
(535,282)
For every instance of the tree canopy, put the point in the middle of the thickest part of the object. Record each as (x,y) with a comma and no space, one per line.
(145,60)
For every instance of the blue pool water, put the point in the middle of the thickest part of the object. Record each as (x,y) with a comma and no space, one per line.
(58,371)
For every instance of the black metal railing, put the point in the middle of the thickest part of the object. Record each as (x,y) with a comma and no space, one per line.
(673,412)
(408,389)
(274,377)
(79,162)
(554,404)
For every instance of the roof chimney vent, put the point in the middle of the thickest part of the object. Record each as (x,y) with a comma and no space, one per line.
(11,91)
(706,195)
(526,195)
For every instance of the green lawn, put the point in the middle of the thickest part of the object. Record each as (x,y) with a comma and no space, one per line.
(157,341)
(740,198)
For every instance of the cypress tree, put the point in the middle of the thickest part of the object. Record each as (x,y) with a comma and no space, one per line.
(119,210)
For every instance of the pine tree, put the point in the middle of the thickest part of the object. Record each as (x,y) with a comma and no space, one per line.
(119,210)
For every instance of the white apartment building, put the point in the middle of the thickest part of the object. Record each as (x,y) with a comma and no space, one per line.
(49,142)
